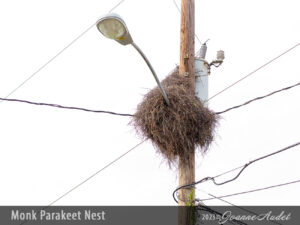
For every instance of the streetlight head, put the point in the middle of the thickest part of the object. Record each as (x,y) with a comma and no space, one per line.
(113,26)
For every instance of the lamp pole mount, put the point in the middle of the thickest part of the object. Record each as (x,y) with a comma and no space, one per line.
(113,27)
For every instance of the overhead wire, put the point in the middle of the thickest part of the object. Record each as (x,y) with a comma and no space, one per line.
(250,191)
(254,71)
(258,98)
(65,107)
(89,178)
(215,212)
(242,168)
(220,199)
(56,55)
(116,6)
(96,173)
(229,203)
(127,114)
(49,61)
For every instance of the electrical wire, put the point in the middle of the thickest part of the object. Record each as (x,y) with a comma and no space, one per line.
(50,60)
(96,173)
(116,6)
(90,177)
(254,71)
(65,107)
(222,200)
(210,210)
(58,54)
(258,98)
(229,203)
(126,114)
(250,191)
(242,168)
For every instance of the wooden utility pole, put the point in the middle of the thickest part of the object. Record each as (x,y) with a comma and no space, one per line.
(187,41)
(186,69)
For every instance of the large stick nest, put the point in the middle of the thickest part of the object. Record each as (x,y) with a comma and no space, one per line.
(178,129)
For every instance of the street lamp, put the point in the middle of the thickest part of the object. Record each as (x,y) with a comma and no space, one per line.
(113,26)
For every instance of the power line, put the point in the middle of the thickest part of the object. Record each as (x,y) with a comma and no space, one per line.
(96,173)
(229,203)
(218,215)
(87,179)
(126,114)
(49,61)
(214,212)
(248,75)
(65,107)
(258,98)
(222,200)
(58,54)
(117,5)
(250,191)
(242,168)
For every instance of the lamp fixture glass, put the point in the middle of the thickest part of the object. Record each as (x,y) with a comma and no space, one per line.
(112,26)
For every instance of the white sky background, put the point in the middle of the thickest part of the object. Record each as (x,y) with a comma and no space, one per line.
(46,151)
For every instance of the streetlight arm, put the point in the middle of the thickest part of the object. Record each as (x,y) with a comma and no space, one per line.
(153,72)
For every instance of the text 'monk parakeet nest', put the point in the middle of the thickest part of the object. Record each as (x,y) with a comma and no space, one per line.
(178,129)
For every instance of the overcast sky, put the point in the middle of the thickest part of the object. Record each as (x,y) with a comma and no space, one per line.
(44,151)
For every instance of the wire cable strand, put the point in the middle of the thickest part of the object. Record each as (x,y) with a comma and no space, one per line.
(96,173)
(65,107)
(229,203)
(87,179)
(258,98)
(212,211)
(116,6)
(254,71)
(250,191)
(222,200)
(242,168)
(126,114)
(58,54)
(50,60)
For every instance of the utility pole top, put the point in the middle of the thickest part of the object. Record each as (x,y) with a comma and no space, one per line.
(187,41)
